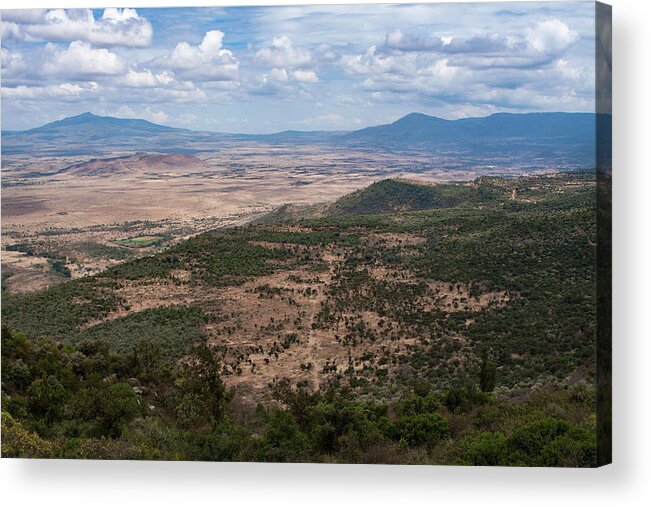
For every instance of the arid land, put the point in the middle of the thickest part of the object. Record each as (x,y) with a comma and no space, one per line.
(91,213)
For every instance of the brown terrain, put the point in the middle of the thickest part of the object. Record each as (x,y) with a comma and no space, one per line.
(265,329)
(93,213)
(137,165)
(85,212)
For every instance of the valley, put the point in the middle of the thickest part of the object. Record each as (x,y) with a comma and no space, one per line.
(299,301)
(381,284)
(81,210)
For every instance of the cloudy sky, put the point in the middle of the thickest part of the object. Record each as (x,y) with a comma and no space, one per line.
(266,69)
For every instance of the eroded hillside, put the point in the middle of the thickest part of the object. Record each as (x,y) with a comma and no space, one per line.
(370,301)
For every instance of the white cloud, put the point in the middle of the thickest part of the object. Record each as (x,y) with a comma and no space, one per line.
(305,76)
(373,62)
(494,70)
(156,116)
(80,60)
(206,62)
(116,27)
(23,15)
(176,92)
(64,90)
(290,84)
(276,76)
(147,113)
(281,52)
(9,30)
(187,119)
(551,36)
(405,42)
(147,79)
(159,87)
(12,63)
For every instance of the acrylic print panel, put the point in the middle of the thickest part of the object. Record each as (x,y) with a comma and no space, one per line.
(333,233)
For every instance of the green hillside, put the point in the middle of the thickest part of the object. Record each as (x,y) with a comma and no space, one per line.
(452,323)
(392,196)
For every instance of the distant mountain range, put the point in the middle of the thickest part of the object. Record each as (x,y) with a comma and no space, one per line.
(420,129)
(569,137)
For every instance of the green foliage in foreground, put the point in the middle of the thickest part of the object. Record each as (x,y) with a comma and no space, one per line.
(85,401)
(142,386)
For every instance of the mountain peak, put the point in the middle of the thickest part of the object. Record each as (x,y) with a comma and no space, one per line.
(82,116)
(416,116)
(419,119)
(574,130)
(104,125)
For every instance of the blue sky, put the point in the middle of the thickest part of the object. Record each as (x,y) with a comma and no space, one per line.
(315,67)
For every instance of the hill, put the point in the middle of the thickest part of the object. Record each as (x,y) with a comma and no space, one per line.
(392,196)
(138,163)
(88,133)
(405,322)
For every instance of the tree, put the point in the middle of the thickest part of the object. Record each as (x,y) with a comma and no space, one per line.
(487,372)
(488,449)
(284,441)
(118,406)
(45,398)
(421,429)
(148,355)
(199,391)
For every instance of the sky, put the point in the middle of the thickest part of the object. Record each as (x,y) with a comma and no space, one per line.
(313,67)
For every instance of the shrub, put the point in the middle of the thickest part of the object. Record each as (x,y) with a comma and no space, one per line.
(488,449)
(18,442)
(421,429)
(283,440)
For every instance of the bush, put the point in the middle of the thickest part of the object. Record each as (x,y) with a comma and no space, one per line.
(45,398)
(415,404)
(199,394)
(18,442)
(421,429)
(488,449)
(553,442)
(283,441)
(118,406)
(226,442)
(529,441)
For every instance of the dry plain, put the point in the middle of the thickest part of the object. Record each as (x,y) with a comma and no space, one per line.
(90,213)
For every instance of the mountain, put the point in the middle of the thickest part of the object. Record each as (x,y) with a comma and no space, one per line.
(420,129)
(88,133)
(102,125)
(534,138)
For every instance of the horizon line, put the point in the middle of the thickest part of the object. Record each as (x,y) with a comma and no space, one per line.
(298,130)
